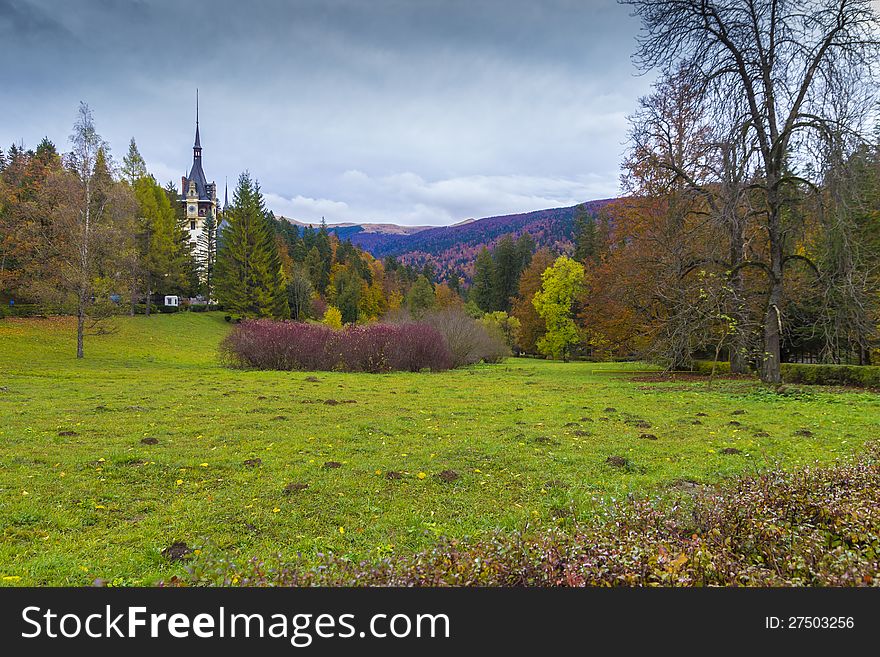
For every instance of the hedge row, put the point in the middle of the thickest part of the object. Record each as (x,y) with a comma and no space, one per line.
(815,527)
(866,376)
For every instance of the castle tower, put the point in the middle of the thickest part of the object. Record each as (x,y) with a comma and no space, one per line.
(199,197)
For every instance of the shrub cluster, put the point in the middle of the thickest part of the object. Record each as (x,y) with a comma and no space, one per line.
(469,340)
(815,527)
(832,375)
(270,345)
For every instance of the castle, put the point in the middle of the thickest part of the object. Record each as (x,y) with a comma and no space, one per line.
(199,197)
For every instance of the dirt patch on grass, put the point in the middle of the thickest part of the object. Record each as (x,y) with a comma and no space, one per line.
(803,433)
(68,433)
(581,432)
(331,465)
(731,450)
(393,475)
(295,487)
(761,434)
(312,379)
(449,476)
(253,463)
(617,461)
(648,436)
(280,417)
(331,402)
(688,486)
(177,551)
(149,440)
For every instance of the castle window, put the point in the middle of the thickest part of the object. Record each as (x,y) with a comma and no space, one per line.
(192,224)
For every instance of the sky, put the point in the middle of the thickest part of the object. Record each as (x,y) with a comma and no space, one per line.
(416,112)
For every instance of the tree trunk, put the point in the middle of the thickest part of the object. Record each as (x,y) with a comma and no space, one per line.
(739,361)
(80,325)
(770,368)
(148,301)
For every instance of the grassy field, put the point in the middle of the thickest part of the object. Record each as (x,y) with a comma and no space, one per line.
(82,497)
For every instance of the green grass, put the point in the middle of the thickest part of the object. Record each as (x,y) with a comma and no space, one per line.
(102,504)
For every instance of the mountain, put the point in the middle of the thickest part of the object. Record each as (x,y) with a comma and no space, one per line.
(456,247)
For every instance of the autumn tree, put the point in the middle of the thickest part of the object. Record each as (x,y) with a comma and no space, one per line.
(561,284)
(532,325)
(783,70)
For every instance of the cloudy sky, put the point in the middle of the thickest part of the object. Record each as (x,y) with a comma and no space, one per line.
(406,111)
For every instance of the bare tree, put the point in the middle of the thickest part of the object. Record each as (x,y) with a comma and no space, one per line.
(780,69)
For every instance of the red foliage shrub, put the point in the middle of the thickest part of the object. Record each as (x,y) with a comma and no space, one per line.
(418,346)
(270,345)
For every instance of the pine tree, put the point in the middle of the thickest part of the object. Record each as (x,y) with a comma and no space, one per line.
(586,236)
(483,288)
(133,166)
(248,277)
(421,297)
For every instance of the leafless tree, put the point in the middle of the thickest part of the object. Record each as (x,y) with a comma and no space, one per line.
(782,69)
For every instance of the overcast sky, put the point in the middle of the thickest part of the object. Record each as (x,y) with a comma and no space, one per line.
(405,111)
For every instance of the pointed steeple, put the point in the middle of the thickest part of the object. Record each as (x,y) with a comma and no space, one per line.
(197,147)
(226,195)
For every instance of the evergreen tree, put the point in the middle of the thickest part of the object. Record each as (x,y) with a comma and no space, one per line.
(586,236)
(421,297)
(248,276)
(133,166)
(166,256)
(453,280)
(483,287)
(348,287)
(325,251)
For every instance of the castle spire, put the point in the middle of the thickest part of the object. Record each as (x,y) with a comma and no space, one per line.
(226,194)
(197,147)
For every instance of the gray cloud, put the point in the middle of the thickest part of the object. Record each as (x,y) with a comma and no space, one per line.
(414,111)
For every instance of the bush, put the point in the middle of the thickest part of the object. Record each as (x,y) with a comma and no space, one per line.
(816,527)
(469,341)
(832,375)
(705,367)
(266,344)
(141,309)
(29,310)
(168,309)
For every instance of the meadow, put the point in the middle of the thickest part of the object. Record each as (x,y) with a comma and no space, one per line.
(149,441)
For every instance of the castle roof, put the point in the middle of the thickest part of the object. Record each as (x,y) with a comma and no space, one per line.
(196,174)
